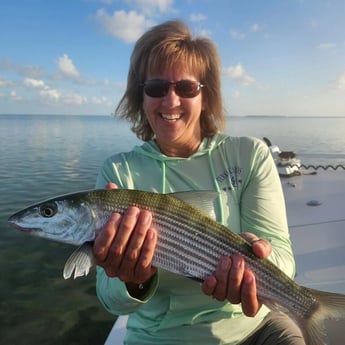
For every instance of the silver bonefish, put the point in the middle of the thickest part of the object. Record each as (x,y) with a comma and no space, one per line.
(190,243)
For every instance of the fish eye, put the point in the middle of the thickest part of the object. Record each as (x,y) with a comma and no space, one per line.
(48,210)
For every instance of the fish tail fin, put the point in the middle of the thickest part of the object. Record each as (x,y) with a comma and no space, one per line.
(316,328)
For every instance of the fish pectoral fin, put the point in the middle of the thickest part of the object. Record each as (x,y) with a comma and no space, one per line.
(80,261)
(202,200)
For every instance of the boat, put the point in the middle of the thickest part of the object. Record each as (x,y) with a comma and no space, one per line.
(315,203)
(288,166)
(286,162)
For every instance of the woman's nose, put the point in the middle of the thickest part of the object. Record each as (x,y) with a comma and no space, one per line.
(171,99)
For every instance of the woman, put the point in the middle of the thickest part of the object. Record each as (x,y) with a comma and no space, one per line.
(173,101)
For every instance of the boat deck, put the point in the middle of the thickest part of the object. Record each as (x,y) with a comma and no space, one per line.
(318,232)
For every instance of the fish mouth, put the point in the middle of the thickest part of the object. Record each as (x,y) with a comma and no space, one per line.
(22,228)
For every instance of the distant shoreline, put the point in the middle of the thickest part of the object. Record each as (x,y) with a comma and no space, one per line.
(228,116)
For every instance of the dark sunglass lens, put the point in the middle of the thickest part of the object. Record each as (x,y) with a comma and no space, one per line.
(183,88)
(187,88)
(156,88)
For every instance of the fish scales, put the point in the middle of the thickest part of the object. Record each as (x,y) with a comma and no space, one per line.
(182,252)
(177,220)
(189,243)
(174,218)
(174,240)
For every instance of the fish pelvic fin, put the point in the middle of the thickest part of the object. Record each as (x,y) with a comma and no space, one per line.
(316,328)
(79,262)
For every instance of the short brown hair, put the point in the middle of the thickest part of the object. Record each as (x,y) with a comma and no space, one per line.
(163,47)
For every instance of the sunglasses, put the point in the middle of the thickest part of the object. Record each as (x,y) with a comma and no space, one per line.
(158,88)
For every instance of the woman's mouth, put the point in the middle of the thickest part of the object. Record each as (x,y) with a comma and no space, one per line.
(171,117)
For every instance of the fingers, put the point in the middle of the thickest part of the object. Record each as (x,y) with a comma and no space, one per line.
(138,248)
(125,246)
(250,303)
(234,282)
(226,284)
(118,250)
(261,247)
(111,185)
(217,285)
(147,250)
(209,285)
(105,238)
(236,279)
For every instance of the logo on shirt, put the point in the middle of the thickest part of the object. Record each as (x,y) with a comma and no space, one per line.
(230,179)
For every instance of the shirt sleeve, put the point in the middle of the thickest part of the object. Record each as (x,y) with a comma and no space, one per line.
(107,174)
(113,294)
(263,209)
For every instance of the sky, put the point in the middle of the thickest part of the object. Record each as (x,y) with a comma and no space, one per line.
(279,57)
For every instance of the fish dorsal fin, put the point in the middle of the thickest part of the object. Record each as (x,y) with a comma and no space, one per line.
(202,200)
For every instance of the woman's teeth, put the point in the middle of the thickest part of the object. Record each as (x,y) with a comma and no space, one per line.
(171,117)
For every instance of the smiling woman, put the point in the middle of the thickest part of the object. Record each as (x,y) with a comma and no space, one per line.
(181,102)
(173,101)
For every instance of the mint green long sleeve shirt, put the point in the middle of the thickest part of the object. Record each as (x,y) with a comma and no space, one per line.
(175,310)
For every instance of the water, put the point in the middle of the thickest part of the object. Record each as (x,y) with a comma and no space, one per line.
(43,156)
(315,140)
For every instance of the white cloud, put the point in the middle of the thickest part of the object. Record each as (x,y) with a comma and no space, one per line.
(236,94)
(14,96)
(150,7)
(67,67)
(34,83)
(204,33)
(99,100)
(30,71)
(197,17)
(106,2)
(255,28)
(326,45)
(50,94)
(65,97)
(236,35)
(128,26)
(341,81)
(234,71)
(238,73)
(5,83)
(74,99)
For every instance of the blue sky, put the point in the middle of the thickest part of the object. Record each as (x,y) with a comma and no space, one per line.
(279,57)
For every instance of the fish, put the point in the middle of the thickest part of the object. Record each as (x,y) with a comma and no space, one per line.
(190,243)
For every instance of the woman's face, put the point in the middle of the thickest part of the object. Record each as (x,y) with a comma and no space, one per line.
(175,120)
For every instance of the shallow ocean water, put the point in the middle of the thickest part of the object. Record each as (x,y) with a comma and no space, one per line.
(44,156)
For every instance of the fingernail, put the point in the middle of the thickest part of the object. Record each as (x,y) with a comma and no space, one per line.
(132,212)
(151,234)
(248,279)
(225,264)
(236,261)
(147,218)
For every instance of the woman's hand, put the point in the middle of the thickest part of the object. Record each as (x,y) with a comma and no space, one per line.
(234,282)
(125,246)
